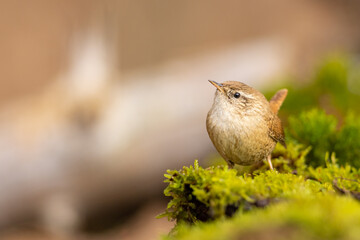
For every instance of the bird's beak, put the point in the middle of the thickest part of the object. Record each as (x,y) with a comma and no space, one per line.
(219,86)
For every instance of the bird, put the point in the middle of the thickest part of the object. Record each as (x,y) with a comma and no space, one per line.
(243,125)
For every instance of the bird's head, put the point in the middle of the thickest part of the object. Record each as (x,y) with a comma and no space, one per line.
(238,97)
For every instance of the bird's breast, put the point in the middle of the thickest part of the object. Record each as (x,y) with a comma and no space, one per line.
(240,138)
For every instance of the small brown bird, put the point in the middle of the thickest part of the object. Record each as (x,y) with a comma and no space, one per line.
(243,125)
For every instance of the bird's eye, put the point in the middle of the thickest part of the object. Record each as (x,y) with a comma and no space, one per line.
(236,95)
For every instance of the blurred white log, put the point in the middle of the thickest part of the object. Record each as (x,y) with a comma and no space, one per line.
(102,141)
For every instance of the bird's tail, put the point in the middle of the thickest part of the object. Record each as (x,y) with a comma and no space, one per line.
(277,100)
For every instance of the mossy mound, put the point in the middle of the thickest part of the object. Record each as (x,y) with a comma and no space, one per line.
(200,194)
(216,203)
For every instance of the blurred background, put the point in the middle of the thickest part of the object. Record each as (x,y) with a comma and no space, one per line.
(99,98)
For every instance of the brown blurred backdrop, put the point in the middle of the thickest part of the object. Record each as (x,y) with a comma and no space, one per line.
(36,35)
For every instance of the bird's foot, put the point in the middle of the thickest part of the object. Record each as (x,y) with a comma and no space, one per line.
(230,164)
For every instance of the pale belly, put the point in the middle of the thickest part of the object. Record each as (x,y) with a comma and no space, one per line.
(245,143)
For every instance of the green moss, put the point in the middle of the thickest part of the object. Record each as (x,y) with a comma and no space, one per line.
(316,129)
(302,202)
(347,146)
(335,87)
(200,194)
(320,217)
(291,159)
(319,130)
(206,194)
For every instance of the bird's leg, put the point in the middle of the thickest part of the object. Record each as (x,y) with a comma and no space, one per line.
(230,164)
(269,161)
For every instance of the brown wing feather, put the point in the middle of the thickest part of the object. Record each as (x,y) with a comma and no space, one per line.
(276,130)
(277,100)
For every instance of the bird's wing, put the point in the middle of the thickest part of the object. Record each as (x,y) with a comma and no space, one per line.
(276,130)
(277,100)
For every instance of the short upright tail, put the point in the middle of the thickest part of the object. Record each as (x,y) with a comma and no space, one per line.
(277,100)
